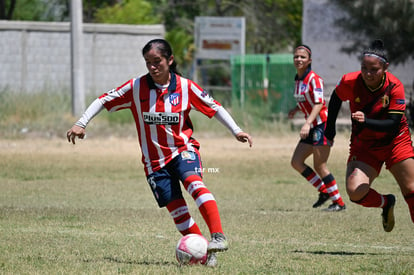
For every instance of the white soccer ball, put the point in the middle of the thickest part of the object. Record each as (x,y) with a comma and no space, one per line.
(191,249)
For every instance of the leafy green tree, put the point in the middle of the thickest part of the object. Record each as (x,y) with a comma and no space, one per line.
(389,20)
(183,45)
(22,10)
(34,10)
(90,7)
(128,12)
(7,9)
(272,25)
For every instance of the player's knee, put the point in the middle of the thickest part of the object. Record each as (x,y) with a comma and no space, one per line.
(357,192)
(296,164)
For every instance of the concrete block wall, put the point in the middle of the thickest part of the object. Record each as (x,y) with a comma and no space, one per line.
(36,56)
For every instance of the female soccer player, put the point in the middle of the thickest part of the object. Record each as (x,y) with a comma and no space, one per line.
(310,100)
(379,135)
(160,102)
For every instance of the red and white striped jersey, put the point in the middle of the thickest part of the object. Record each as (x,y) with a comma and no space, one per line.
(161,115)
(308,92)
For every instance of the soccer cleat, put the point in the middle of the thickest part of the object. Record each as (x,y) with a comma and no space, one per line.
(218,243)
(388,220)
(211,259)
(334,207)
(323,197)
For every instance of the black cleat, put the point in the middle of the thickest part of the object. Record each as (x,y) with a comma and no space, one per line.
(388,219)
(323,197)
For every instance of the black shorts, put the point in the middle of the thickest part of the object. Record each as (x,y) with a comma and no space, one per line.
(317,136)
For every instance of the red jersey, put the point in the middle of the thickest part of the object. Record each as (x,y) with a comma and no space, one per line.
(375,105)
(308,92)
(161,115)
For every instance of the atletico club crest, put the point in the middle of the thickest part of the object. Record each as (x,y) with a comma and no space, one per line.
(175,99)
(303,88)
(204,94)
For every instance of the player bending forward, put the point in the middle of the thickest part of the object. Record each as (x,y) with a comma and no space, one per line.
(379,135)
(160,102)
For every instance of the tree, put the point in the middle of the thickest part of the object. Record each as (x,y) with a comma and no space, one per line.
(272,25)
(389,20)
(90,7)
(6,9)
(128,12)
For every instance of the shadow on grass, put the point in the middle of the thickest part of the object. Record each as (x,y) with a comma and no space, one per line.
(135,262)
(341,253)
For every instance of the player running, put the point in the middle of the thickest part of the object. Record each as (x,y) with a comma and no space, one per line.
(160,102)
(310,100)
(379,135)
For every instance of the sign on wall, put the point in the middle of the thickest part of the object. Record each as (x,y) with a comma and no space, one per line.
(219,37)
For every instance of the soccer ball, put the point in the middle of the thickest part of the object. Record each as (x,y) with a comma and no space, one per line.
(191,249)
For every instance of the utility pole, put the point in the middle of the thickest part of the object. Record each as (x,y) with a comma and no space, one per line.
(77,71)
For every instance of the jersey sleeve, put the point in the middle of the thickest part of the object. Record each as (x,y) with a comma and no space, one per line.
(343,89)
(397,99)
(317,85)
(202,101)
(118,98)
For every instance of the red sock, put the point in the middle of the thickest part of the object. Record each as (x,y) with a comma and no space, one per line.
(410,201)
(314,179)
(183,221)
(205,202)
(332,189)
(373,199)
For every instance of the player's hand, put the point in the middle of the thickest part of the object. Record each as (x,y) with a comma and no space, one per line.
(304,131)
(75,131)
(244,137)
(358,116)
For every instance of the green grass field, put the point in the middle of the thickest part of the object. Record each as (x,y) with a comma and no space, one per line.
(87,209)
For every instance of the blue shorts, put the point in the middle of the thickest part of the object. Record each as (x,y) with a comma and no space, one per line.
(165,183)
(317,136)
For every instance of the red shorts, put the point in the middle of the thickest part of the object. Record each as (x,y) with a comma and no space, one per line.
(370,153)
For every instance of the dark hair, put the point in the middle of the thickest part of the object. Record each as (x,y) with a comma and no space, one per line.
(165,49)
(306,48)
(376,49)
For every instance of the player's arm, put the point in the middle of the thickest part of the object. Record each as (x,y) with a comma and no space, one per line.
(293,111)
(334,106)
(390,124)
(225,118)
(78,129)
(113,100)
